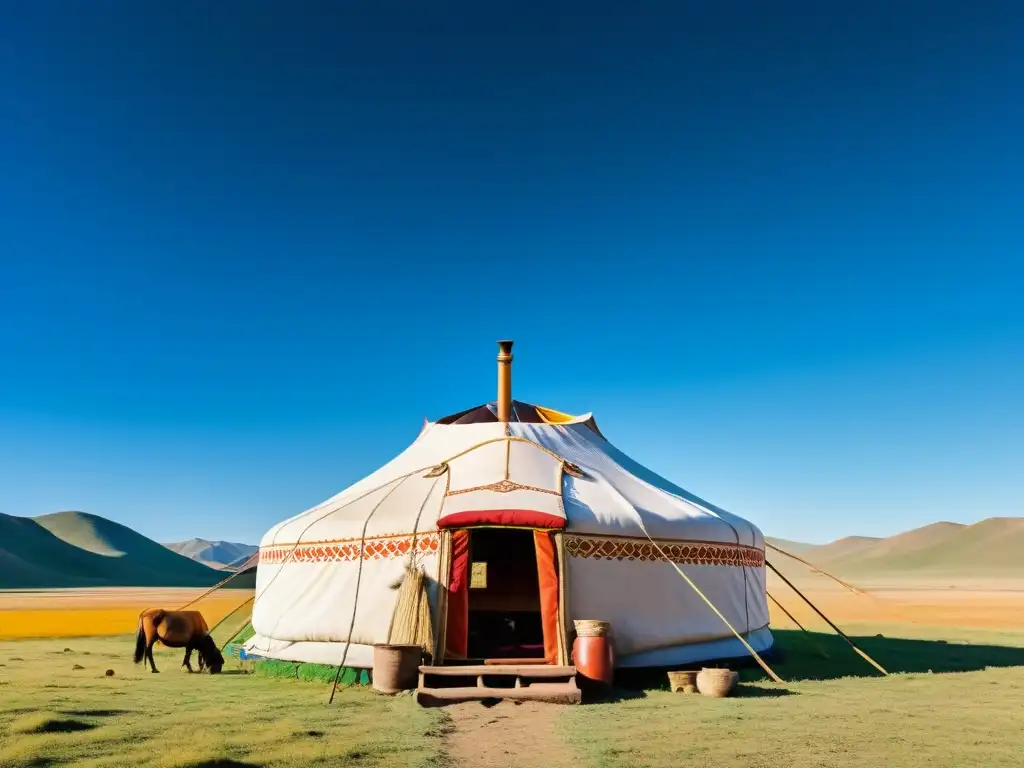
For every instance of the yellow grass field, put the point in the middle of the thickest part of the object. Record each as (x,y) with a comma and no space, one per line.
(981,604)
(101,612)
(967,603)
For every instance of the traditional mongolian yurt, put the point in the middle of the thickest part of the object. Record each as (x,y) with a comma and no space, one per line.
(518,520)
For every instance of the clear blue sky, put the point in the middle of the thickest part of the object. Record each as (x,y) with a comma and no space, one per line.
(246,247)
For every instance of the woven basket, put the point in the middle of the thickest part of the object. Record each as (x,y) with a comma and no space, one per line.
(591,628)
(395,667)
(716,683)
(682,682)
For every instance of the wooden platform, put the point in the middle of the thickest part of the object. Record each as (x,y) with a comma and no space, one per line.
(534,682)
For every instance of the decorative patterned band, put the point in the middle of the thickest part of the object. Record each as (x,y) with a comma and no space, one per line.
(350,550)
(682,552)
(597,547)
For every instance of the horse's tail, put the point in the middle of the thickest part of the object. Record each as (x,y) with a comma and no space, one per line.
(140,642)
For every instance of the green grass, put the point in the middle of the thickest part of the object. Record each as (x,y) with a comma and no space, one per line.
(955,699)
(838,712)
(54,715)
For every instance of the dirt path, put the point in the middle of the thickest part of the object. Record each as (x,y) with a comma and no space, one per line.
(507,735)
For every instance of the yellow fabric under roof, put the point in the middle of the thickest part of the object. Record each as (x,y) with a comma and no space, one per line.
(554,417)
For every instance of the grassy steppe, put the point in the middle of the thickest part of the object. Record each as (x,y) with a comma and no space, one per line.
(836,712)
(54,714)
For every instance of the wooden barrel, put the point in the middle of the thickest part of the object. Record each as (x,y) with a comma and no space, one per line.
(396,667)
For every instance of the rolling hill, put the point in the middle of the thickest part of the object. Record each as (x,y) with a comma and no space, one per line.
(216,554)
(75,549)
(991,547)
(795,547)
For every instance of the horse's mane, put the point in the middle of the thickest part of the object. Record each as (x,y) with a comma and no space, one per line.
(212,657)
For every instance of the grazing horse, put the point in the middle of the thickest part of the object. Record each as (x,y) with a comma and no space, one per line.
(177,629)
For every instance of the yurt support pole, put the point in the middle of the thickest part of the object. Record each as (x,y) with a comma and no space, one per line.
(359,578)
(236,610)
(640,521)
(816,569)
(718,613)
(853,645)
(791,617)
(220,584)
(853,588)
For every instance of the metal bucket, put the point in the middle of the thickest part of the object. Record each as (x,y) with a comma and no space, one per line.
(396,667)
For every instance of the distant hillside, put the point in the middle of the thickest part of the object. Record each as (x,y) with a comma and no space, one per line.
(240,562)
(793,547)
(990,548)
(75,549)
(848,547)
(217,554)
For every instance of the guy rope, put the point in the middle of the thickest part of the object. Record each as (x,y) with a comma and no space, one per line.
(853,645)
(791,617)
(757,657)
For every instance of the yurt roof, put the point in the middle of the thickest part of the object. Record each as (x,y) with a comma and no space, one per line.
(521,413)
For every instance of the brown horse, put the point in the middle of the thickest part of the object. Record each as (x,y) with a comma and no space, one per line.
(177,629)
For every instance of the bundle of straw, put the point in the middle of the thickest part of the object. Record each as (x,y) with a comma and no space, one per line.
(411,622)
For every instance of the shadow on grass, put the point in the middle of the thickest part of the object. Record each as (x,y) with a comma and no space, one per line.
(795,656)
(616,695)
(222,763)
(757,692)
(54,725)
(94,712)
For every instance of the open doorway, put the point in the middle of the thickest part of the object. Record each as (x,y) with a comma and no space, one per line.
(504,596)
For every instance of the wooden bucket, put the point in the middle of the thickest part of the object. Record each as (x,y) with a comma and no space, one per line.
(683,682)
(716,683)
(396,667)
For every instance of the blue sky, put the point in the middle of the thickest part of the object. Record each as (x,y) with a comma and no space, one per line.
(246,248)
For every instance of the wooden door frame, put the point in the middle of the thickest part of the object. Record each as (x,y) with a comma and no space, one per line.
(444,575)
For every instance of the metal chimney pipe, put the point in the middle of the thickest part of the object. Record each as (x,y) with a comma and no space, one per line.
(504,381)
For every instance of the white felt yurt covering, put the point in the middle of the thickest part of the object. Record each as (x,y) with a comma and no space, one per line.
(326,577)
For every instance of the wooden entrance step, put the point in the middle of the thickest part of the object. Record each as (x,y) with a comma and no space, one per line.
(534,682)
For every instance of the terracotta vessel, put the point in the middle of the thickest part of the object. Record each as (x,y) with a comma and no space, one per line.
(395,667)
(594,659)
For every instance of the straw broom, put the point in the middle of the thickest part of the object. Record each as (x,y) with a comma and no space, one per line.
(411,622)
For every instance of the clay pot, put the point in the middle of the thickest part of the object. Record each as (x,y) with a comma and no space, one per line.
(594,659)
(396,667)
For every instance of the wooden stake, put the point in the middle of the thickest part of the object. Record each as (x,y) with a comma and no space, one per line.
(853,645)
